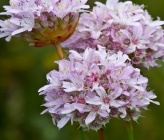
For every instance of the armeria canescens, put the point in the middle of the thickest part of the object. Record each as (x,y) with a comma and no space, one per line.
(94,86)
(121,26)
(41,22)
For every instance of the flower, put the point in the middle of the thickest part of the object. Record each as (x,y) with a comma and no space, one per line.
(41,22)
(94,86)
(121,26)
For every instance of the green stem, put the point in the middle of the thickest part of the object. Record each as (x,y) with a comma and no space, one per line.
(59,50)
(130,130)
(101,134)
(81,134)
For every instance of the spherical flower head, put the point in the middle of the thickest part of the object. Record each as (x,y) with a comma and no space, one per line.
(41,22)
(94,86)
(121,26)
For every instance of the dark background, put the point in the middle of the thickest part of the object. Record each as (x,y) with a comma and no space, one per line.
(22,72)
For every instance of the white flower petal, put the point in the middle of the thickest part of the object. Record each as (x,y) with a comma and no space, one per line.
(90,118)
(63,121)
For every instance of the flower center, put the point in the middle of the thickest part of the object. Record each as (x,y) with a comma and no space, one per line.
(81,100)
(136,60)
(106,100)
(127,41)
(93,78)
(95,108)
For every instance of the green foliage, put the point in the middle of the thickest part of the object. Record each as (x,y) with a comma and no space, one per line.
(23,71)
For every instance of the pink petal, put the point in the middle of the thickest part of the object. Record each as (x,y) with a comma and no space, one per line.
(19,31)
(103,113)
(90,118)
(123,111)
(42,89)
(95,100)
(79,107)
(69,87)
(157,23)
(68,108)
(116,93)
(101,92)
(117,103)
(63,121)
(75,55)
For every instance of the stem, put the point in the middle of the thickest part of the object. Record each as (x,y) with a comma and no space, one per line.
(101,134)
(59,50)
(130,130)
(81,133)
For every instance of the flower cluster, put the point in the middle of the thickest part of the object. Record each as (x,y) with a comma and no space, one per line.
(94,86)
(121,26)
(41,22)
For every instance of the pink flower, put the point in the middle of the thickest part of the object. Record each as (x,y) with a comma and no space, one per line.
(93,86)
(41,22)
(121,26)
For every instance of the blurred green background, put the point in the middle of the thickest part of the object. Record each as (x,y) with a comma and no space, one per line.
(23,71)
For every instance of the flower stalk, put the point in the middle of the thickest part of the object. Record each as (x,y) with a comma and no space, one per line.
(81,134)
(101,134)
(130,130)
(59,51)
